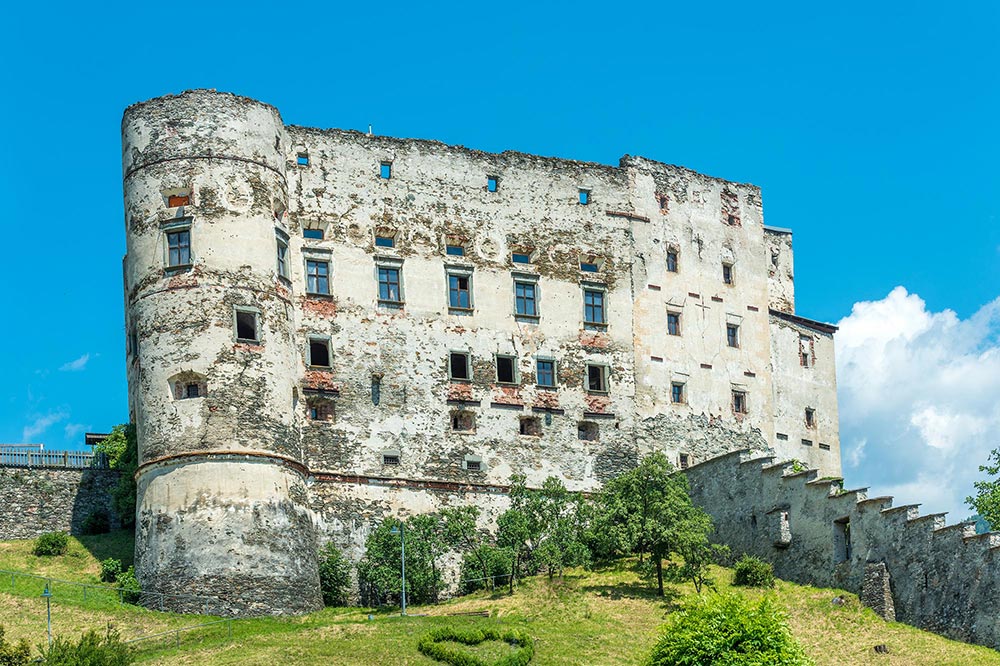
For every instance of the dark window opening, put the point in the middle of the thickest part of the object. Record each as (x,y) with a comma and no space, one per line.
(727,273)
(685,461)
(312,234)
(531,427)
(740,402)
(810,417)
(458,366)
(319,353)
(192,391)
(520,258)
(385,241)
(841,540)
(677,392)
(545,372)
(732,220)
(491,183)
(597,378)
(474,465)
(455,250)
(672,262)
(505,370)
(389,459)
(588,431)
(807,442)
(732,335)
(246,326)
(673,323)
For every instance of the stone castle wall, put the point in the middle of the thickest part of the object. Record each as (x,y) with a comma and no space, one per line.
(37,500)
(943,578)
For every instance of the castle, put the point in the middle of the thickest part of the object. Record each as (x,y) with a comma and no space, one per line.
(326,327)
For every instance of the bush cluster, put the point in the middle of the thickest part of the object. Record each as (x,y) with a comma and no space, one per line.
(753,572)
(129,585)
(13,655)
(334,576)
(110,570)
(91,650)
(485,568)
(51,543)
(434,645)
(726,630)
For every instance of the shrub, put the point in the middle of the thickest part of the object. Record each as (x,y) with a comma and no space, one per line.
(92,650)
(51,543)
(433,644)
(753,572)
(111,569)
(13,655)
(482,563)
(334,576)
(726,630)
(96,522)
(129,585)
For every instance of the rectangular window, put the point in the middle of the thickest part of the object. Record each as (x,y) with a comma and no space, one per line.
(390,459)
(506,369)
(520,258)
(584,197)
(317,277)
(589,267)
(593,306)
(179,247)
(545,372)
(319,352)
(588,431)
(727,273)
(597,378)
(677,392)
(302,159)
(807,442)
(740,402)
(674,323)
(732,335)
(388,285)
(672,261)
(531,426)
(459,366)
(525,299)
(459,292)
(312,234)
(810,418)
(685,461)
(385,241)
(246,326)
(474,465)
(463,421)
(175,200)
(455,250)
(805,351)
(385,170)
(282,257)
(192,391)
(491,183)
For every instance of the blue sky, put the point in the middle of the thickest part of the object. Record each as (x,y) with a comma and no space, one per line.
(872,129)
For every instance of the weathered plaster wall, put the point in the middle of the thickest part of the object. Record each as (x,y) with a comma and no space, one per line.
(37,500)
(942,578)
(780,269)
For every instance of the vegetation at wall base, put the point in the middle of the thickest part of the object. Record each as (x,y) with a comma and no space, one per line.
(51,544)
(751,571)
(129,586)
(111,569)
(91,649)
(334,576)
(435,645)
(122,449)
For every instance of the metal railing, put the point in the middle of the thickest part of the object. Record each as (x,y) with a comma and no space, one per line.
(172,638)
(64,459)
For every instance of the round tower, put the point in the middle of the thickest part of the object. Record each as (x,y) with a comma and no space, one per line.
(222,505)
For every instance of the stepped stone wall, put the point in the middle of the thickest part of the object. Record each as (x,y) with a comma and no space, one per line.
(38,500)
(943,578)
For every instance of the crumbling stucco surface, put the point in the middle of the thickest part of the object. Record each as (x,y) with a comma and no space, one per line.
(371,435)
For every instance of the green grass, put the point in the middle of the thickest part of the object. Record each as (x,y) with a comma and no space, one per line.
(606,616)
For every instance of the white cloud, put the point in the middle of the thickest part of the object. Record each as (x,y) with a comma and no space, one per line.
(919,399)
(72,430)
(76,364)
(41,424)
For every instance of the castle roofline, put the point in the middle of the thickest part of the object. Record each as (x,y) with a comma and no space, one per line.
(820,326)
(197,91)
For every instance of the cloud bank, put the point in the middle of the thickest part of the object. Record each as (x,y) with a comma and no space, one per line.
(919,399)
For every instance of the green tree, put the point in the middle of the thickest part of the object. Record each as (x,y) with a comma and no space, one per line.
(379,571)
(691,542)
(986,501)
(122,449)
(334,575)
(463,534)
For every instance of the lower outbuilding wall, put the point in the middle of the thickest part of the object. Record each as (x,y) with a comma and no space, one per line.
(37,500)
(945,579)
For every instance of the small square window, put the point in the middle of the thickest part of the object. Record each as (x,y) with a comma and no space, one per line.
(674,323)
(385,170)
(506,369)
(672,261)
(732,335)
(491,183)
(588,431)
(545,374)
(740,402)
(584,197)
(319,352)
(390,459)
(727,273)
(312,234)
(684,460)
(317,277)
(455,250)
(192,390)
(385,241)
(810,418)
(179,247)
(246,326)
(531,426)
(677,393)
(302,159)
(463,421)
(732,220)
(520,257)
(321,410)
(459,366)
(589,267)
(597,378)
(474,465)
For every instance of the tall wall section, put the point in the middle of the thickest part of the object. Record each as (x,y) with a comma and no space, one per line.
(943,578)
(38,500)
(222,501)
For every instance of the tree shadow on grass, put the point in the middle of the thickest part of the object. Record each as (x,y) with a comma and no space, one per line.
(119,544)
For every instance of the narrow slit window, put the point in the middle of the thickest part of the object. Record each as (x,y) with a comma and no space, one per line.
(739,402)
(506,373)
(684,461)
(246,326)
(459,366)
(810,418)
(732,335)
(727,274)
(317,277)
(282,256)
(673,323)
(597,378)
(677,393)
(672,261)
(319,352)
(385,170)
(584,197)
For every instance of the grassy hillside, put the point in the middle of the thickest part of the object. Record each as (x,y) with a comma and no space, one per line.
(607,616)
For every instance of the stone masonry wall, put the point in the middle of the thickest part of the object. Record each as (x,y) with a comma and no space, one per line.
(943,578)
(38,500)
